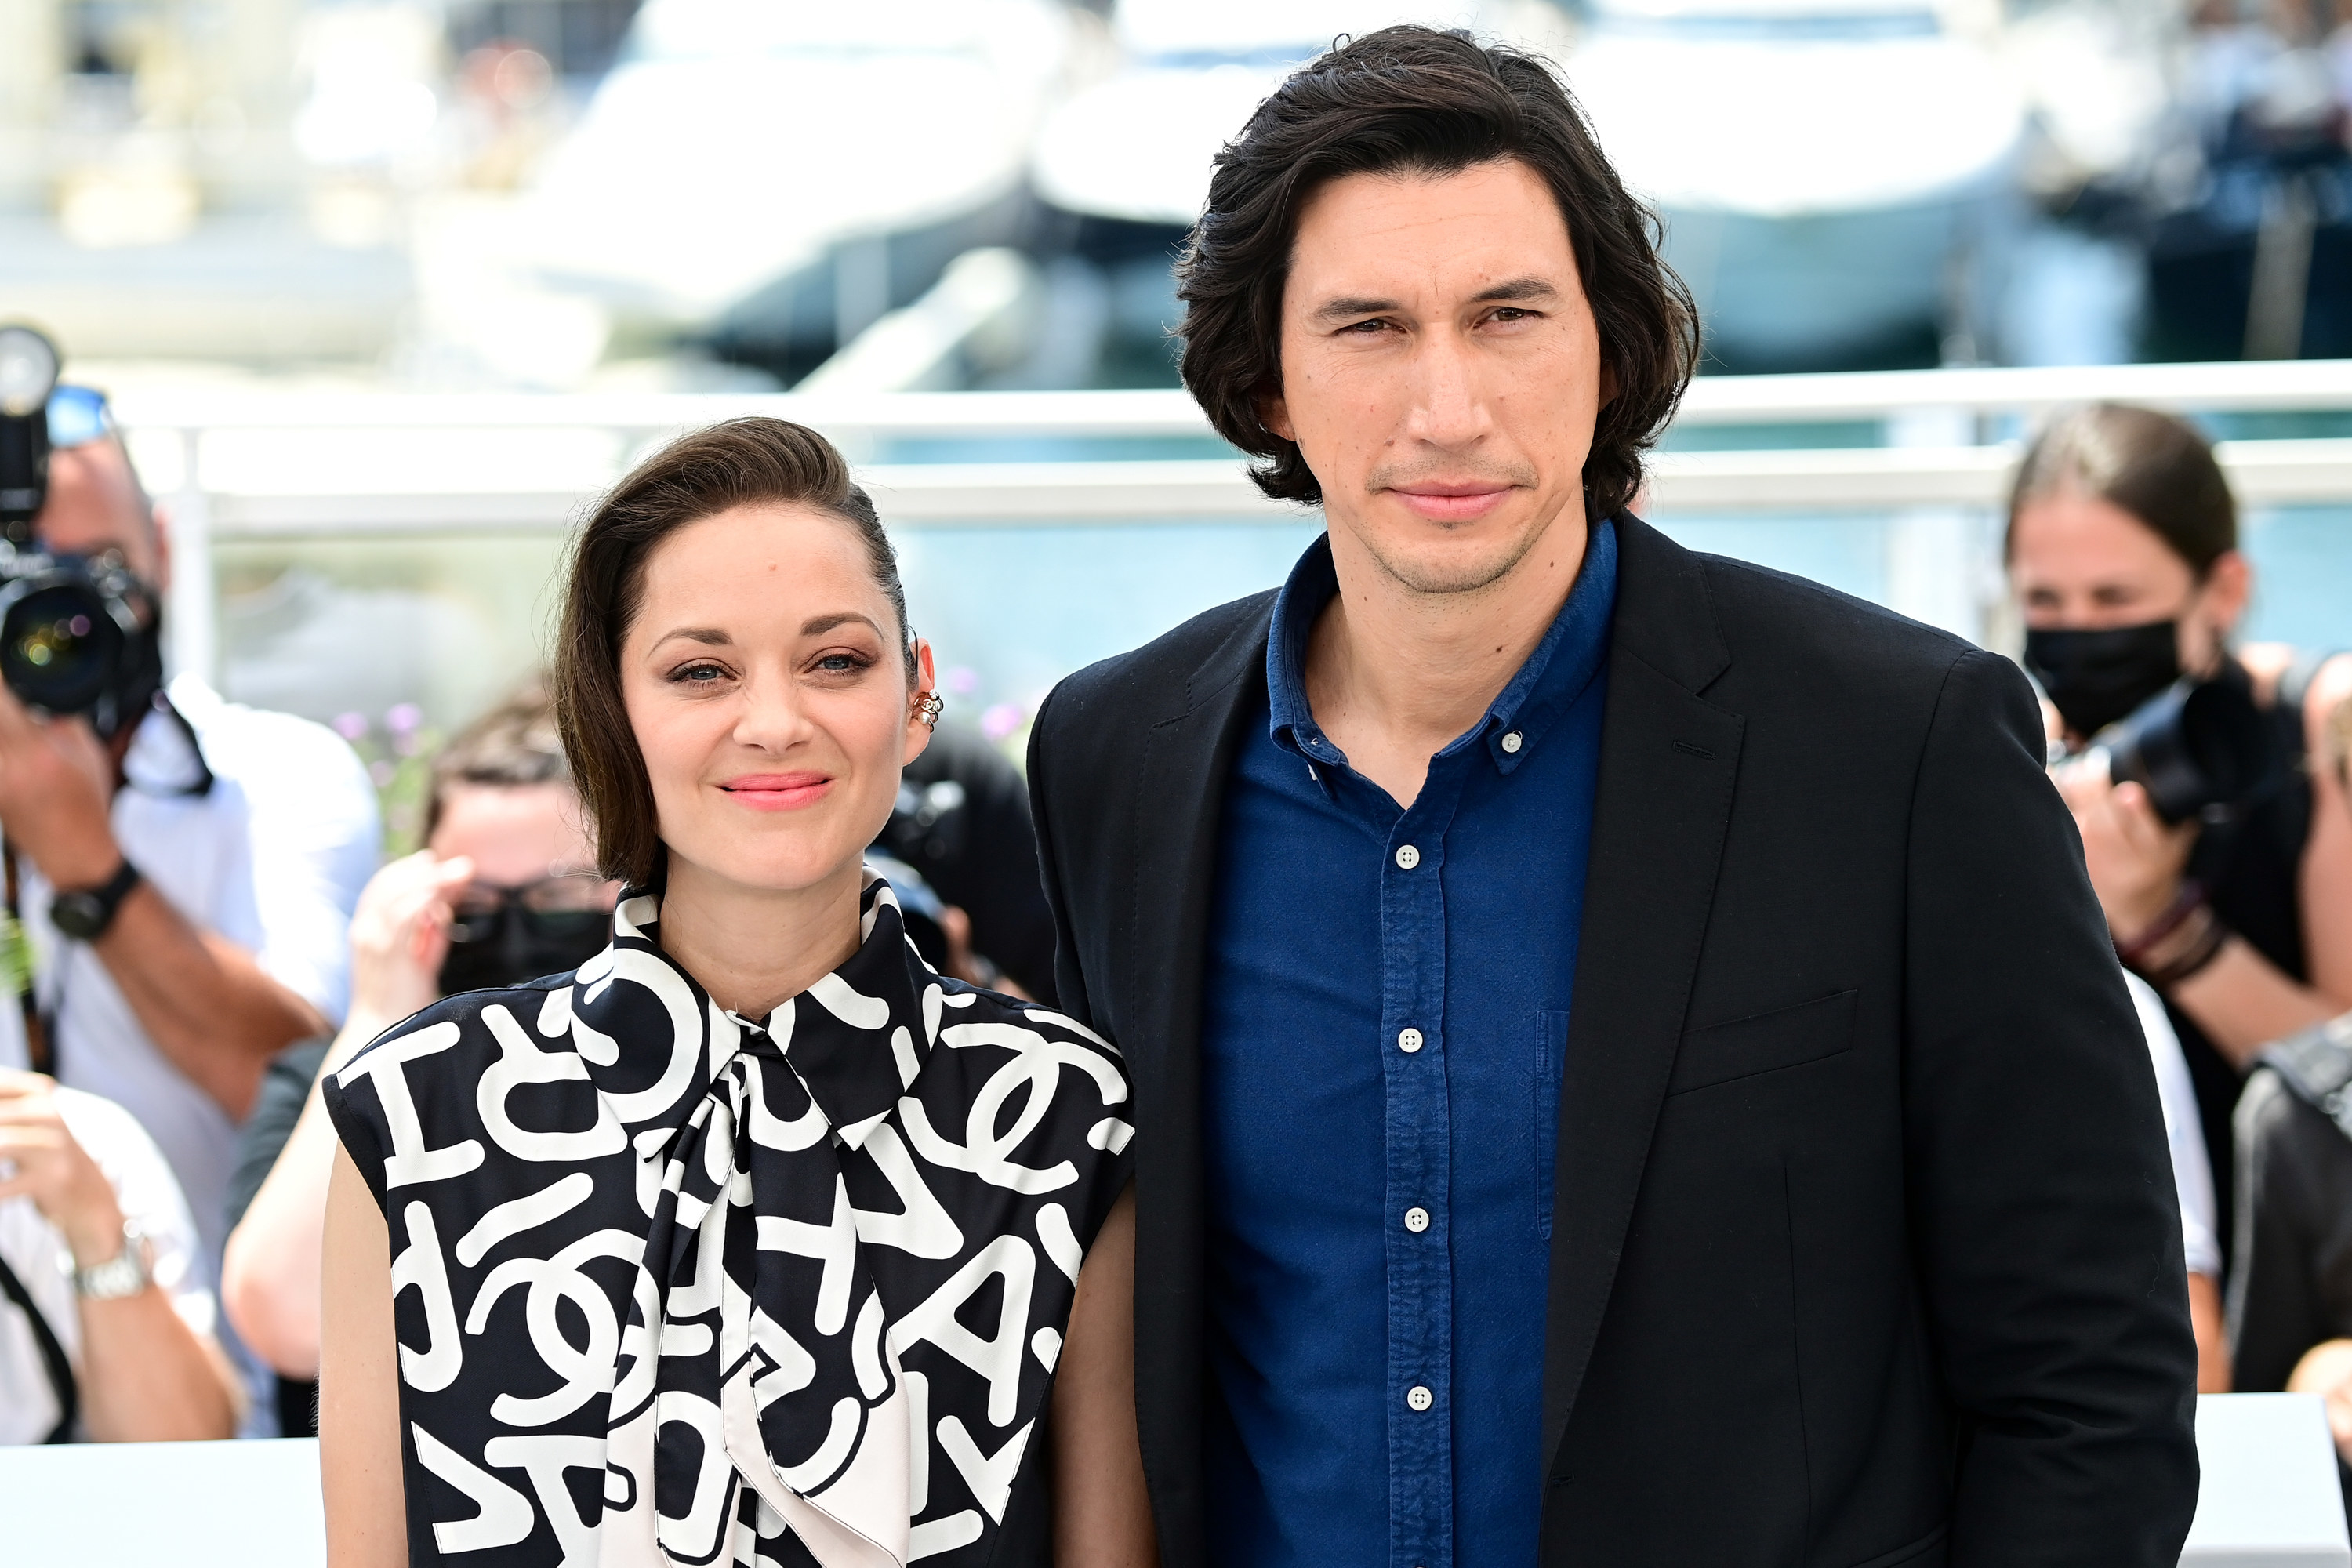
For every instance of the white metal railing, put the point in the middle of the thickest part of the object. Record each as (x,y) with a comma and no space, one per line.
(249,465)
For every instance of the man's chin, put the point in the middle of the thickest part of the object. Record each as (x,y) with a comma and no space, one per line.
(1451,566)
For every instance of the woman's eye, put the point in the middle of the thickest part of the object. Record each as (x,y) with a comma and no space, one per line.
(841,663)
(698,674)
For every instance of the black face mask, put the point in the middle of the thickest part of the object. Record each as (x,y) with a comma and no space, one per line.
(2094,677)
(517,943)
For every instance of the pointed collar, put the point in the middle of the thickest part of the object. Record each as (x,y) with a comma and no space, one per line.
(653,1042)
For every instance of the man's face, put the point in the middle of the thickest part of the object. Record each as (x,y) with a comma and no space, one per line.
(1441,370)
(94,505)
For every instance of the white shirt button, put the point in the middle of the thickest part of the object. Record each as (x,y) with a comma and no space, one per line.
(1419,1398)
(1408,1040)
(1407,857)
(1416,1220)
(1513,742)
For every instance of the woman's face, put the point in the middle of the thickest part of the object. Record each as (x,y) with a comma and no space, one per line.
(764,679)
(2078,562)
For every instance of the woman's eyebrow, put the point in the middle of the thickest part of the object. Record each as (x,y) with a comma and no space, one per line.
(710,634)
(816,626)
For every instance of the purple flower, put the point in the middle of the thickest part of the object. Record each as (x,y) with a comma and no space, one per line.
(402,718)
(381,770)
(1001,721)
(350,726)
(962,679)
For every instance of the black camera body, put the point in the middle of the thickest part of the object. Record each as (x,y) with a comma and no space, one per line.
(2201,749)
(77,636)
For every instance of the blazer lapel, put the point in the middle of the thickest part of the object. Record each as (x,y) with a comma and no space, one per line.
(1181,768)
(1668,763)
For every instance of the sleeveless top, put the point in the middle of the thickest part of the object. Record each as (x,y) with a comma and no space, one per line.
(672,1286)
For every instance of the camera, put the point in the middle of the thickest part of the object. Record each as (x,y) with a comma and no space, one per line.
(78,634)
(2201,749)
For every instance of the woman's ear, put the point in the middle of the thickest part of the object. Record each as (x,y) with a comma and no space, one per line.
(926,687)
(2229,587)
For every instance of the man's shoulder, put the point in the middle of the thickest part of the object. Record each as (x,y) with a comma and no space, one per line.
(1165,677)
(1793,636)
(259,747)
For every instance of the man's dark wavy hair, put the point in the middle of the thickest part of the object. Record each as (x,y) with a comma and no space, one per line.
(1412,100)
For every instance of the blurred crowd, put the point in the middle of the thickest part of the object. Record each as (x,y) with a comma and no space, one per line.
(198,928)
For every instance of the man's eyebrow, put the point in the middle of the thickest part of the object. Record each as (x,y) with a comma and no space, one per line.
(1514,290)
(1350,306)
(818,626)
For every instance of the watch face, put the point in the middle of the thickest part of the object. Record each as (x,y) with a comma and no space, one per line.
(80,915)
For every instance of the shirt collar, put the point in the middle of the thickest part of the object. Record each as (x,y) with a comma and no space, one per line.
(165,756)
(857,1039)
(1546,686)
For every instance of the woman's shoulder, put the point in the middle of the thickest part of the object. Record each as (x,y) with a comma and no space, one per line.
(966,1007)
(467,1021)
(423,1074)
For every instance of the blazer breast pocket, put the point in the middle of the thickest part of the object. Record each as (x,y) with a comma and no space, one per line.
(1766,1042)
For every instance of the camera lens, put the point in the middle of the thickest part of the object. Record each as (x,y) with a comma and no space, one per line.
(59,648)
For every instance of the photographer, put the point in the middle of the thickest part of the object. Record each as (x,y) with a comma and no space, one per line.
(120,1350)
(2123,553)
(504,891)
(963,824)
(183,868)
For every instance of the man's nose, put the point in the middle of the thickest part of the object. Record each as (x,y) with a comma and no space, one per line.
(1449,408)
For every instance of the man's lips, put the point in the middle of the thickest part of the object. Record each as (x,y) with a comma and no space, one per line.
(778,792)
(1451,500)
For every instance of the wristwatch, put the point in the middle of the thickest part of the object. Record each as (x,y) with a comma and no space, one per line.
(84,913)
(126,1273)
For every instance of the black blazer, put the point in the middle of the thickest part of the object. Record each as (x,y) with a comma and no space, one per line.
(1865,1250)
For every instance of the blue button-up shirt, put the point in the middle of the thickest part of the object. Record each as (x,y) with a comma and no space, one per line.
(1387,995)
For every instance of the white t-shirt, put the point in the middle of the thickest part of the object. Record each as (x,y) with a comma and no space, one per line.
(272,856)
(31,1247)
(2183,1129)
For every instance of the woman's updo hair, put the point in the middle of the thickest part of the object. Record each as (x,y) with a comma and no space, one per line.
(2153,465)
(744,463)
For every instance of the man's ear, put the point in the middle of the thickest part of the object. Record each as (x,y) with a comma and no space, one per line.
(1274,412)
(159,523)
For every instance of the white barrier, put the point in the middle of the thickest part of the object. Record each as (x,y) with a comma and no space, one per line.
(264,465)
(2269,1499)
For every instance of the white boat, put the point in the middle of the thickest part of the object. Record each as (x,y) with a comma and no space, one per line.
(1137,147)
(1818,163)
(737,141)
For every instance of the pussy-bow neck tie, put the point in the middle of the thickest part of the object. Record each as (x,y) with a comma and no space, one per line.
(755,1346)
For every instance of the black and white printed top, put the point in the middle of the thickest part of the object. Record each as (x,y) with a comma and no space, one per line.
(674,1287)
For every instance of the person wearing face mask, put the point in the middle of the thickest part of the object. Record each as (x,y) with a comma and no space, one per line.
(2123,551)
(506,890)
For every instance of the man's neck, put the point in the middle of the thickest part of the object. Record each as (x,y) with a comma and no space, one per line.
(1394,674)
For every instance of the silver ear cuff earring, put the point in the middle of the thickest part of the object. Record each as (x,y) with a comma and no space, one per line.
(928,707)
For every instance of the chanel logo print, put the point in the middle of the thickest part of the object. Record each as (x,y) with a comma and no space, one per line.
(674,1287)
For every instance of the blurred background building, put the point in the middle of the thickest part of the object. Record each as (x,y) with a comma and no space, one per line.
(241,216)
